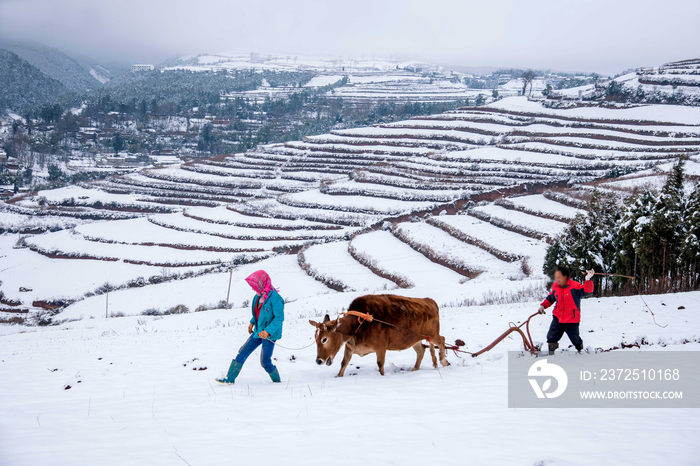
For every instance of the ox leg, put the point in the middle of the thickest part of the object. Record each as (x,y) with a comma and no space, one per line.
(346,360)
(381,356)
(420,352)
(443,356)
(432,354)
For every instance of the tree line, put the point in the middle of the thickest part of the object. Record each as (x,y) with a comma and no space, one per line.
(654,237)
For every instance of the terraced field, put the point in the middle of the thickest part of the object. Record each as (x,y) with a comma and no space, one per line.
(411,89)
(468,198)
(676,81)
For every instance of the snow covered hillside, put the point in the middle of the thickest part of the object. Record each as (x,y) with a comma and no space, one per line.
(127,279)
(453,191)
(361,80)
(671,83)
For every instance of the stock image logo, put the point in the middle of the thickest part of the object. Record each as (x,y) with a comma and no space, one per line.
(545,371)
(618,379)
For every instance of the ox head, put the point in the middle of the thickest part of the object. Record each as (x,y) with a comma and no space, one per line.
(328,340)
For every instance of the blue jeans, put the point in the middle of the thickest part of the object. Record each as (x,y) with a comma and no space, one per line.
(557,330)
(265,356)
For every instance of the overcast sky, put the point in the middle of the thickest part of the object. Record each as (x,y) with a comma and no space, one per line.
(606,36)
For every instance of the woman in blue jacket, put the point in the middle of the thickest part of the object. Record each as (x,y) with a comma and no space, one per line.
(265,327)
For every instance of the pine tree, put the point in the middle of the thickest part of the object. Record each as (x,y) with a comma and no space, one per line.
(554,257)
(635,242)
(576,244)
(117,142)
(667,223)
(589,241)
(603,214)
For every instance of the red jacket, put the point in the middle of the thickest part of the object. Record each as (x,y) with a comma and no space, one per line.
(568,300)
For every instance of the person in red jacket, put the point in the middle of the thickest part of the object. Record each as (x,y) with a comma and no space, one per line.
(566,295)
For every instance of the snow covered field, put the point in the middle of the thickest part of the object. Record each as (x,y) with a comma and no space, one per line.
(332,260)
(399,259)
(522,220)
(539,205)
(472,260)
(499,239)
(139,394)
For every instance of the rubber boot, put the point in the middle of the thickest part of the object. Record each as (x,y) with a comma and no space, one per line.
(233,372)
(552,348)
(275,375)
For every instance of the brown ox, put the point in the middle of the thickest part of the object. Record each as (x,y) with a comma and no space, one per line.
(418,317)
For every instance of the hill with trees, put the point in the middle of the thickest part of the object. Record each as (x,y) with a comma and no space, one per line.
(55,64)
(24,85)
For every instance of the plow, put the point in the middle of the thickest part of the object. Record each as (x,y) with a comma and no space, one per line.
(528,344)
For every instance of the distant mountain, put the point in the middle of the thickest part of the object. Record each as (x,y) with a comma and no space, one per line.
(57,65)
(24,85)
(103,71)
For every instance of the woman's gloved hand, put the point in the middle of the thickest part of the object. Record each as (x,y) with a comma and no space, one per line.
(589,274)
(250,328)
(541,310)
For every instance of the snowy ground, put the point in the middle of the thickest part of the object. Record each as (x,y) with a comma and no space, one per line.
(538,204)
(136,395)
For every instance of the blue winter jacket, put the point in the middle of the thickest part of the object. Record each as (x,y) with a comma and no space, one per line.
(271,316)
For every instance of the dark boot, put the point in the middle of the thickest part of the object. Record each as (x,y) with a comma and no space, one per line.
(275,375)
(579,347)
(233,372)
(552,348)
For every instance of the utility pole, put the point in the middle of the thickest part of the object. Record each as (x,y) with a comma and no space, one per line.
(228,294)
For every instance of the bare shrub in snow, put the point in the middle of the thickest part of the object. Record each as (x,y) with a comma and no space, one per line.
(179,309)
(43,319)
(105,288)
(13,320)
(137,283)
(208,307)
(534,291)
(20,244)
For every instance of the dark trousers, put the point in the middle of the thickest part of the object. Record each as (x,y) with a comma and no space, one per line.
(557,330)
(265,355)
